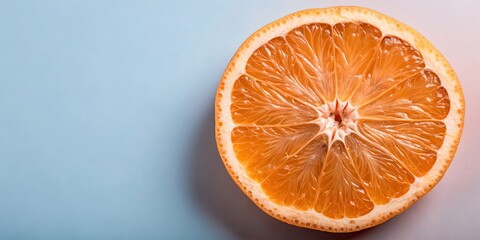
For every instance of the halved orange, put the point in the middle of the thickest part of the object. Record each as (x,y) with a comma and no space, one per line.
(337,119)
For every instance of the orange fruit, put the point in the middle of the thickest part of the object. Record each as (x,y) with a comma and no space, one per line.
(337,119)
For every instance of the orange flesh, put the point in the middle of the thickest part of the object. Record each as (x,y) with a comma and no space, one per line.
(378,94)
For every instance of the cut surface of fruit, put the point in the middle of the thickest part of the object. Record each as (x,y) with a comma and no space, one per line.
(337,119)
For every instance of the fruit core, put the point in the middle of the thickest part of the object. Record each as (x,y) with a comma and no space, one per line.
(337,119)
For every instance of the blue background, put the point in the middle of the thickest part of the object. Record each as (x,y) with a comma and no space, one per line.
(106,121)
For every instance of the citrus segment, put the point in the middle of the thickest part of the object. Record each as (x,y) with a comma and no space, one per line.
(275,64)
(396,61)
(382,175)
(355,53)
(341,193)
(259,103)
(312,47)
(415,143)
(294,181)
(419,97)
(262,149)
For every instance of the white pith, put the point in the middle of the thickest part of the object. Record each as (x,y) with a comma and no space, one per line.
(433,61)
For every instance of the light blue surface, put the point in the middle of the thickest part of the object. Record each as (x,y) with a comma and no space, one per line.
(106,121)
